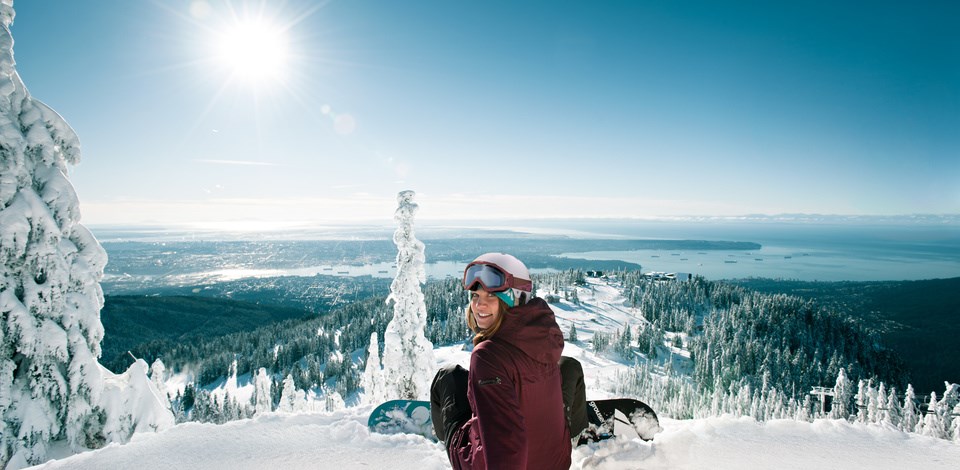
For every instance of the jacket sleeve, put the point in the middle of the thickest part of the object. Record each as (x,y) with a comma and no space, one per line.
(503,432)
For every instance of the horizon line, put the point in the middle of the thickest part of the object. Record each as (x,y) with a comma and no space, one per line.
(273,225)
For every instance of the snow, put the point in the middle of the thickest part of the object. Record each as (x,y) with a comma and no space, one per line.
(53,392)
(132,403)
(341,440)
(407,362)
(60,287)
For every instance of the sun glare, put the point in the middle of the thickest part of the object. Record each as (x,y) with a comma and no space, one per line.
(254,51)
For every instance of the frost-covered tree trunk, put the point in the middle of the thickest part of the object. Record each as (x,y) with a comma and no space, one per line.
(408,363)
(51,385)
(261,393)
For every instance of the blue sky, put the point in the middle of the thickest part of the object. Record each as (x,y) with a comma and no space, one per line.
(500,109)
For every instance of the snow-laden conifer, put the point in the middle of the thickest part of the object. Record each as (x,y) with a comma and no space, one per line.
(932,420)
(804,412)
(408,363)
(332,400)
(288,396)
(951,398)
(130,404)
(863,401)
(911,416)
(877,398)
(261,392)
(893,415)
(955,426)
(158,379)
(373,374)
(842,391)
(51,384)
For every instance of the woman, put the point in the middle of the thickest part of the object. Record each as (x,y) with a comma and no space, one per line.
(509,412)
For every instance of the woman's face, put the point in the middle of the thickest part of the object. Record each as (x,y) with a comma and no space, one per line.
(486,308)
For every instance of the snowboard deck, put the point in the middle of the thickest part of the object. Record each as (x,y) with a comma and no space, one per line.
(621,417)
(607,418)
(402,416)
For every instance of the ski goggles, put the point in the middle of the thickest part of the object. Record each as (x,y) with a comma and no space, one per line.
(492,278)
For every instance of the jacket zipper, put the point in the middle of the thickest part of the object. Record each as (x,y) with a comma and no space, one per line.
(495,380)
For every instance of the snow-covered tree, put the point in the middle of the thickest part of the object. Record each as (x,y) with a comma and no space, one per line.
(373,374)
(408,362)
(292,400)
(893,414)
(804,412)
(332,400)
(877,404)
(157,372)
(951,398)
(717,399)
(863,401)
(263,403)
(932,421)
(955,427)
(842,391)
(911,416)
(130,404)
(50,269)
(288,396)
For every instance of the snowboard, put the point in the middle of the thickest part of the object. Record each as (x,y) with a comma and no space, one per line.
(607,418)
(621,417)
(402,416)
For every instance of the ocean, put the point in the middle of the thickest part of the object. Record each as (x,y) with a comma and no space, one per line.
(871,250)
(794,250)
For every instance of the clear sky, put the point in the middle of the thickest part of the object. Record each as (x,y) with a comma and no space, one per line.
(322,111)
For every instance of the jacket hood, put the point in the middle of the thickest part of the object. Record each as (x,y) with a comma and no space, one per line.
(533,329)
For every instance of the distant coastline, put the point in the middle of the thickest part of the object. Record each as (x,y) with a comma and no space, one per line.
(798,247)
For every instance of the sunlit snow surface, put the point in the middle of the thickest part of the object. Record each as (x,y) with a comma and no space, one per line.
(341,440)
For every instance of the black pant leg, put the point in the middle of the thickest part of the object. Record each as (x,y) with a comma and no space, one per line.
(449,407)
(574,395)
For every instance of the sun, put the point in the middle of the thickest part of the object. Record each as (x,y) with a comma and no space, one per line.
(253,51)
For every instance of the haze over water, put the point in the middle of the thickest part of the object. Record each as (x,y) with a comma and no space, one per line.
(801,251)
(789,250)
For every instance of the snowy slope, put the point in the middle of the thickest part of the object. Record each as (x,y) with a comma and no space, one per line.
(341,439)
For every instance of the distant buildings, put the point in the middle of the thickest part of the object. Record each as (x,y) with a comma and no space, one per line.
(662,276)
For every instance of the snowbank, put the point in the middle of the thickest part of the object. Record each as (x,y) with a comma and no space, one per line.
(341,440)
(743,443)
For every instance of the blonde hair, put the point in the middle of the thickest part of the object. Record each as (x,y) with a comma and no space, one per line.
(481,334)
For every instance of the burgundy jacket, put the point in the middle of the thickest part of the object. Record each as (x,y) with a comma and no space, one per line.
(514,390)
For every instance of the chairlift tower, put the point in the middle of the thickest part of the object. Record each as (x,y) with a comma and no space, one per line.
(822,392)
